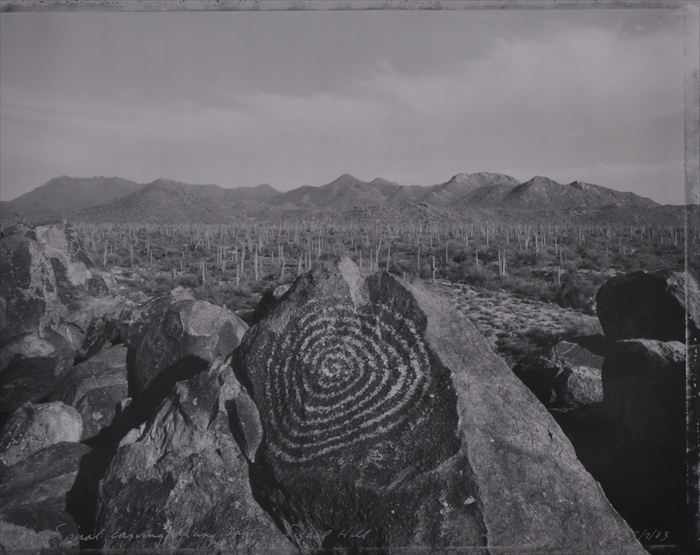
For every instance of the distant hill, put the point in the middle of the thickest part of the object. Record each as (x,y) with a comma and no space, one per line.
(544,192)
(344,193)
(166,201)
(466,189)
(470,196)
(62,196)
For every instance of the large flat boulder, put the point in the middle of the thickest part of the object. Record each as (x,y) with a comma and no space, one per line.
(644,392)
(34,495)
(650,305)
(95,387)
(180,480)
(32,428)
(389,422)
(176,328)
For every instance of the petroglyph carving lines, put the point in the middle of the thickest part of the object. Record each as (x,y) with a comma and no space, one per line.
(341,375)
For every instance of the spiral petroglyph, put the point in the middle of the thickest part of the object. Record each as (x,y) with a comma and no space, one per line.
(341,375)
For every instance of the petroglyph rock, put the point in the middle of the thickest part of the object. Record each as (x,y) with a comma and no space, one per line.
(388,422)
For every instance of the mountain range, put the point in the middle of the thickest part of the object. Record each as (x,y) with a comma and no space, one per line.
(465,195)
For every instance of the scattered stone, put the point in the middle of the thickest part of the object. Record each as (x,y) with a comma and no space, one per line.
(96,388)
(649,305)
(34,427)
(180,480)
(389,422)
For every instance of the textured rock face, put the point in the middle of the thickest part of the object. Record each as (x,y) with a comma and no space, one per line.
(182,481)
(94,322)
(34,427)
(388,422)
(649,305)
(34,497)
(49,315)
(70,265)
(95,388)
(174,331)
(30,366)
(28,292)
(644,384)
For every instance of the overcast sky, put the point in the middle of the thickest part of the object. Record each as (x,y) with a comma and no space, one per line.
(298,98)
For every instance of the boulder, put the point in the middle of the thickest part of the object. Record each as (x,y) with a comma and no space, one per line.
(388,422)
(180,481)
(34,500)
(95,387)
(644,391)
(582,382)
(34,427)
(580,386)
(177,328)
(29,301)
(650,305)
(31,366)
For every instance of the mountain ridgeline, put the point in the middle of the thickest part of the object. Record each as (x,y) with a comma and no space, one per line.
(472,196)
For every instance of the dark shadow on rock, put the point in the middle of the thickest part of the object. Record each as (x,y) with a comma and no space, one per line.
(146,403)
(81,500)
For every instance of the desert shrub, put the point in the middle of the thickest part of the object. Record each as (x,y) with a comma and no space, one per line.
(473,275)
(528,287)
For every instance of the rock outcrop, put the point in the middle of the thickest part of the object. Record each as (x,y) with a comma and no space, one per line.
(95,387)
(387,421)
(49,312)
(176,328)
(70,264)
(181,481)
(649,305)
(34,498)
(29,299)
(32,428)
